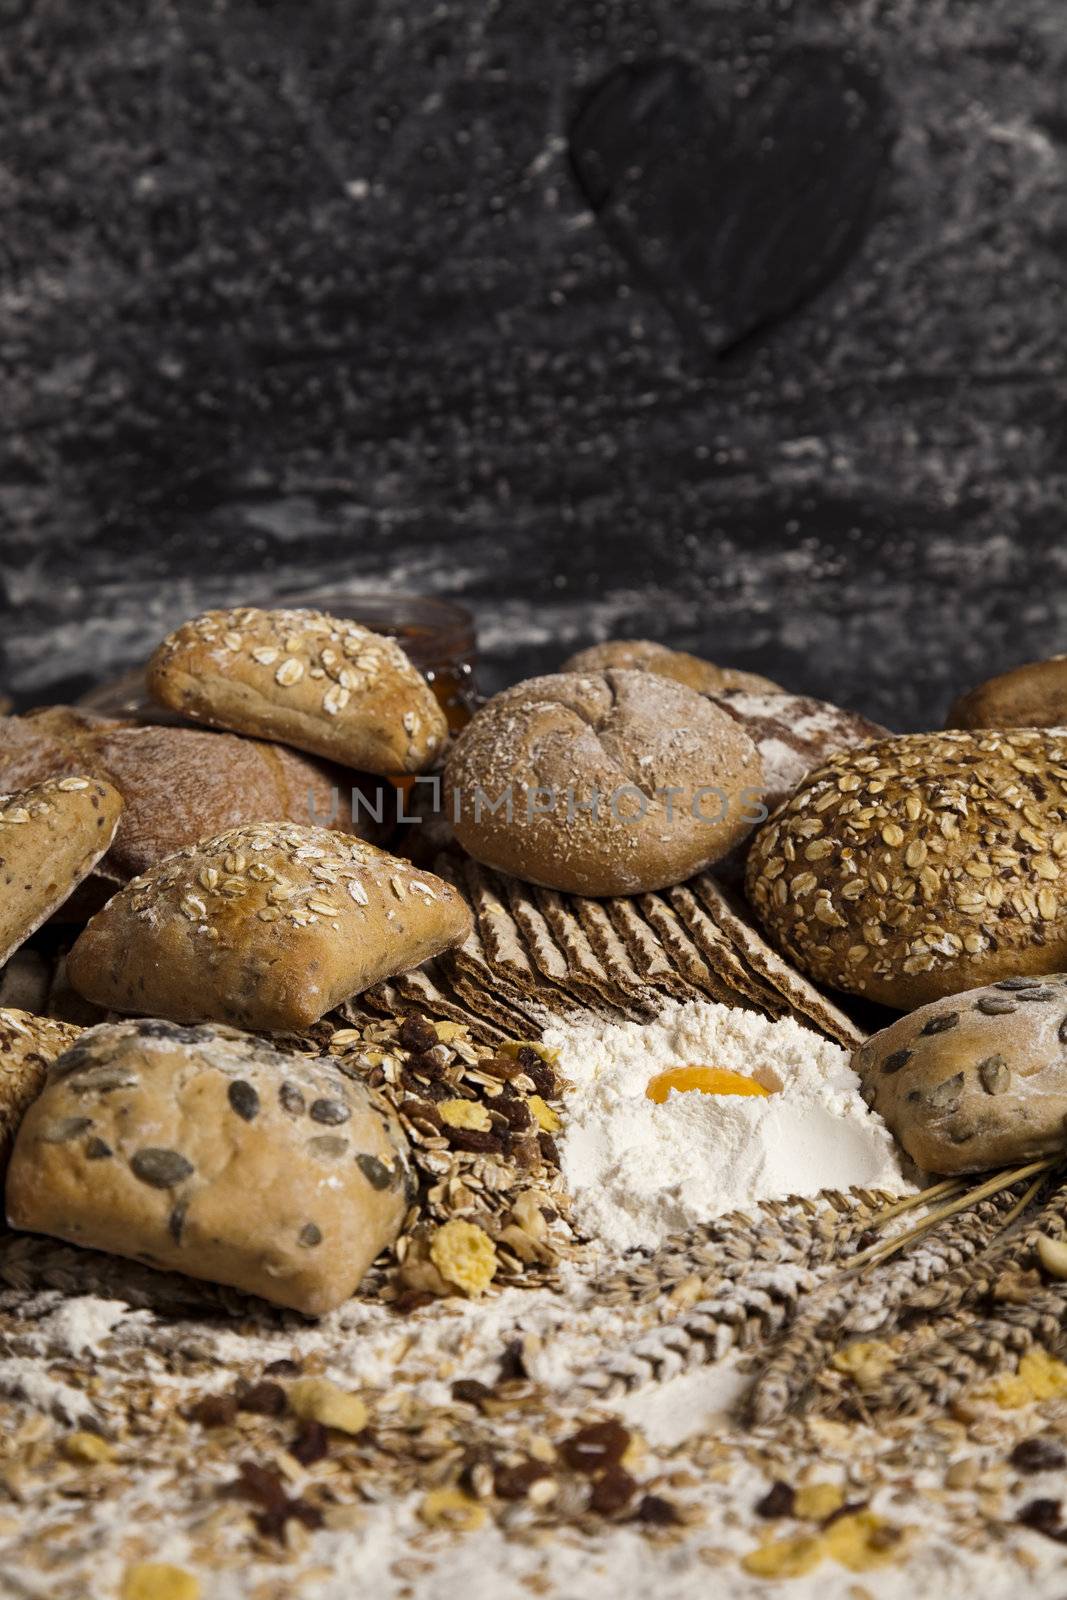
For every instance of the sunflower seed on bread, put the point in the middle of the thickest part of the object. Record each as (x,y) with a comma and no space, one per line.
(267,926)
(324,684)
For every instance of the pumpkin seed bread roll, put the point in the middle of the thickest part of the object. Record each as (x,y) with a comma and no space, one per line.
(603,783)
(209,1152)
(321,683)
(922,865)
(51,837)
(976,1080)
(267,926)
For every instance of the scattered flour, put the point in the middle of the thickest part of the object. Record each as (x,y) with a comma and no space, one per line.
(639,1171)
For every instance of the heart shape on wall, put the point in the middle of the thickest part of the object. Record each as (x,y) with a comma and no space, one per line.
(735,211)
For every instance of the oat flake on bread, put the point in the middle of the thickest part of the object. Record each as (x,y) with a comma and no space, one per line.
(639,1171)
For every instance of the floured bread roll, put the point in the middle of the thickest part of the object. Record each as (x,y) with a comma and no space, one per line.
(209,1152)
(604,783)
(794,734)
(644,655)
(51,837)
(268,926)
(321,683)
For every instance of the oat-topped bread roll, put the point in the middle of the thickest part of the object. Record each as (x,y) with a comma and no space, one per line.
(976,1080)
(210,1152)
(793,733)
(267,926)
(619,782)
(27,1044)
(51,837)
(1030,696)
(922,865)
(320,683)
(183,784)
(644,655)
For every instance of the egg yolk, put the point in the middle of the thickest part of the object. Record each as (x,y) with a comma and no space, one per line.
(708,1080)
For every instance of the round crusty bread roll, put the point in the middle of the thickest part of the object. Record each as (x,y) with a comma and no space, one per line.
(1031,696)
(644,655)
(184,784)
(675,783)
(921,865)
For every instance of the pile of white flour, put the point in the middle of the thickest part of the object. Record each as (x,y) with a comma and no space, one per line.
(639,1171)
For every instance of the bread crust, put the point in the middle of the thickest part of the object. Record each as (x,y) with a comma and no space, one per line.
(51,837)
(183,784)
(921,865)
(629,735)
(323,684)
(210,1152)
(645,655)
(1030,696)
(267,927)
(976,1080)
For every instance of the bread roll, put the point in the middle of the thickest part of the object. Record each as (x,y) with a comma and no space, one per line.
(183,784)
(644,655)
(51,837)
(922,865)
(209,1152)
(27,1044)
(793,734)
(1031,696)
(267,926)
(976,1080)
(675,782)
(321,683)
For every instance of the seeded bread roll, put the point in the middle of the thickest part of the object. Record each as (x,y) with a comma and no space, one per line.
(675,782)
(267,927)
(793,734)
(644,655)
(321,683)
(183,784)
(27,1044)
(208,1152)
(51,837)
(1031,696)
(976,1080)
(922,865)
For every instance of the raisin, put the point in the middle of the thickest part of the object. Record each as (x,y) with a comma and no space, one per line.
(613,1491)
(593,1448)
(474,1139)
(657,1511)
(778,1501)
(1038,1454)
(515,1482)
(311,1444)
(213,1411)
(417,1034)
(265,1398)
(549,1152)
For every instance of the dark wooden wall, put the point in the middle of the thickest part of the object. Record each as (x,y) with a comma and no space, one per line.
(307,293)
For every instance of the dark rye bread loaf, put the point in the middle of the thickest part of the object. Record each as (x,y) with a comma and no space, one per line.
(793,734)
(644,655)
(675,781)
(183,784)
